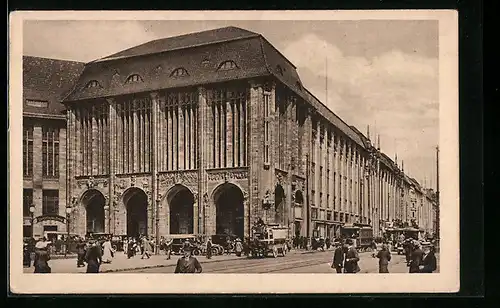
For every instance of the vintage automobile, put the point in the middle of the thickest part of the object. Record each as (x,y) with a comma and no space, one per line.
(220,241)
(268,239)
(178,241)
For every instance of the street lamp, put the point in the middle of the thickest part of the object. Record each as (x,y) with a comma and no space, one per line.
(68,212)
(32,217)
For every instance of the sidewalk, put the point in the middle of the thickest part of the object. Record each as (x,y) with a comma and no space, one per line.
(121,263)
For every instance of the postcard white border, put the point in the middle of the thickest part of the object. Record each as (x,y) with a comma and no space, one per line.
(447,280)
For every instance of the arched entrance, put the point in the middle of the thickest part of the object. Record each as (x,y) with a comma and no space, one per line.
(181,200)
(228,200)
(279,204)
(136,204)
(94,202)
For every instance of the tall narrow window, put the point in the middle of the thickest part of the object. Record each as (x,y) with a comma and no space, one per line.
(50,202)
(267,133)
(27,201)
(50,151)
(28,150)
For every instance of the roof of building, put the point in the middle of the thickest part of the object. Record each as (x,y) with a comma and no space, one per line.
(182,42)
(46,82)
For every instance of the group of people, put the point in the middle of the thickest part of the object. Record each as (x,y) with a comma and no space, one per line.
(345,257)
(420,257)
(141,245)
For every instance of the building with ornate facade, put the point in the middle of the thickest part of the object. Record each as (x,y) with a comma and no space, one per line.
(208,132)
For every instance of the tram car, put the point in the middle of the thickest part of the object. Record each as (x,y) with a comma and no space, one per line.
(268,240)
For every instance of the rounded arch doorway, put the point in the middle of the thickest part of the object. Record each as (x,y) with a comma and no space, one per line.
(136,204)
(279,203)
(94,201)
(181,200)
(229,219)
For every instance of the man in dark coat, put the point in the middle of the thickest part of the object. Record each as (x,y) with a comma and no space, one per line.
(408,247)
(338,257)
(93,257)
(429,261)
(80,250)
(351,258)
(209,248)
(416,258)
(384,256)
(188,264)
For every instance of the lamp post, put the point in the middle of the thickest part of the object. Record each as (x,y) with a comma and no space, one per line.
(32,218)
(68,212)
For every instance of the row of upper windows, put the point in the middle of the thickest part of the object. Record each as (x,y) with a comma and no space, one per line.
(178,72)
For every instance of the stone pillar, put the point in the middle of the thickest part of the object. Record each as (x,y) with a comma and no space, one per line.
(203,143)
(255,137)
(113,155)
(62,174)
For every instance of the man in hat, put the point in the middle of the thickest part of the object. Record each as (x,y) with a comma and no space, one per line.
(351,258)
(209,248)
(429,261)
(80,250)
(93,257)
(416,257)
(187,264)
(338,257)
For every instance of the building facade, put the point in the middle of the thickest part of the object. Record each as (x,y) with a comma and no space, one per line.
(45,82)
(208,132)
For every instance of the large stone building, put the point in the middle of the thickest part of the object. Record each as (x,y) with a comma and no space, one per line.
(45,84)
(207,132)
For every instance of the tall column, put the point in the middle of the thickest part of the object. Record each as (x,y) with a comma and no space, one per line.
(202,157)
(62,172)
(155,199)
(113,153)
(37,179)
(229,133)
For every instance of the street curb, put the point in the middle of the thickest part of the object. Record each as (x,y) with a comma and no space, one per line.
(156,266)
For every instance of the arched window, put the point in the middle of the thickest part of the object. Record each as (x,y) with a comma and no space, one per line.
(227,65)
(93,84)
(134,78)
(279,70)
(179,72)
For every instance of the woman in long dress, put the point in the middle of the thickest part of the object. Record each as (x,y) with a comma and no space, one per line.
(107,252)
(93,258)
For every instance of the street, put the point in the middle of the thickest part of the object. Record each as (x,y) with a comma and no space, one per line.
(295,262)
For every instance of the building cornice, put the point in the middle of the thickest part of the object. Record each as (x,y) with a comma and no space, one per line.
(44,116)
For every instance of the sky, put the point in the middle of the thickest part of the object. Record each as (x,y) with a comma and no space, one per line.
(377,73)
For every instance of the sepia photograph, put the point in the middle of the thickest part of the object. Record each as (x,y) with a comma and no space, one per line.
(255,151)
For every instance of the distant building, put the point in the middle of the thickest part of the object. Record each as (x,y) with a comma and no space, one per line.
(45,83)
(206,133)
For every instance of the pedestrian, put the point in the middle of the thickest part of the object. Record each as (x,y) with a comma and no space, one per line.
(408,250)
(328,243)
(26,255)
(93,257)
(384,256)
(209,248)
(146,248)
(351,258)
(238,247)
(80,253)
(416,258)
(338,257)
(125,246)
(107,251)
(42,256)
(429,261)
(168,247)
(187,264)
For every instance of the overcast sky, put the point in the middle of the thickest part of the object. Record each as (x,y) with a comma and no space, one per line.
(378,73)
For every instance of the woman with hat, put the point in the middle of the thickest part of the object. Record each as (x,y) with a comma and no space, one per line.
(429,261)
(42,256)
(238,247)
(187,264)
(93,257)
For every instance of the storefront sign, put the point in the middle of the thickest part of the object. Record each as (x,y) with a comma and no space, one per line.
(27,221)
(50,217)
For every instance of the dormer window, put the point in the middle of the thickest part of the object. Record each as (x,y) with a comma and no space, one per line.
(298,85)
(134,78)
(179,72)
(279,70)
(93,84)
(227,65)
